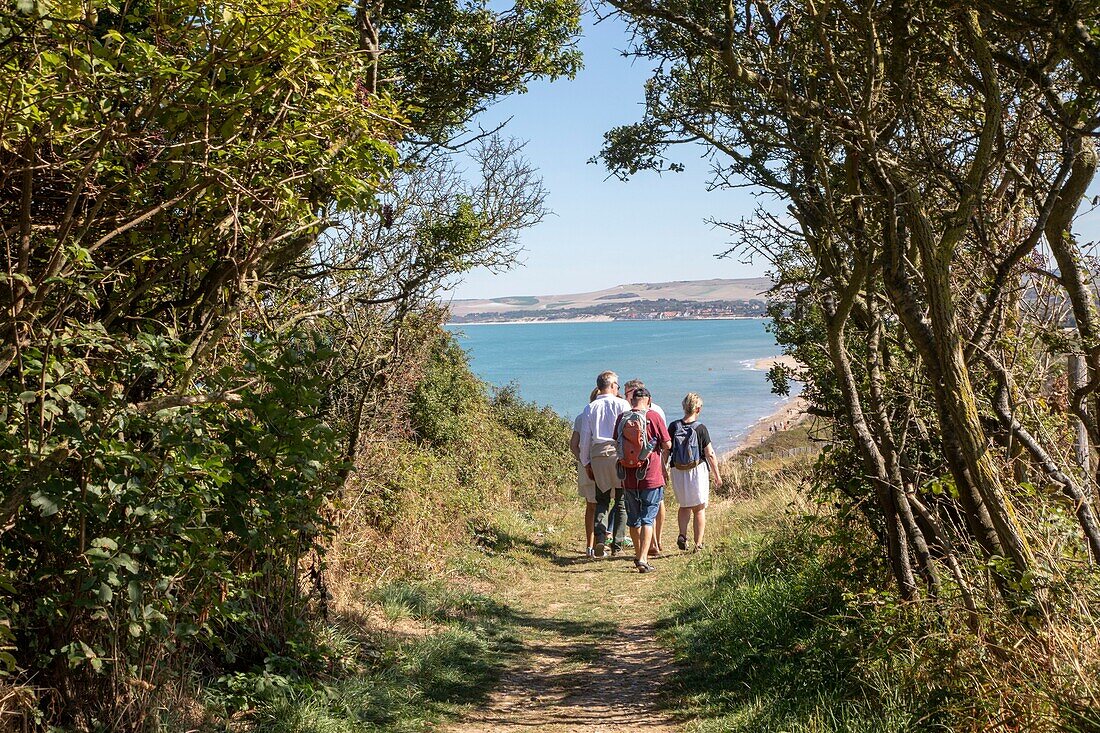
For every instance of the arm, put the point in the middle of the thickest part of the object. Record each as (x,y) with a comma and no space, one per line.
(575,444)
(585,446)
(664,440)
(712,462)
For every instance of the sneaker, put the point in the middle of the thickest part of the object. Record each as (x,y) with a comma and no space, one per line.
(599,550)
(682,542)
(590,553)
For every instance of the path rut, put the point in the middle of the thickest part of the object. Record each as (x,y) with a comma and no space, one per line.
(591,660)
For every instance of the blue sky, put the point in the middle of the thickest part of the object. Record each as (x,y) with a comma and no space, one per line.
(604,232)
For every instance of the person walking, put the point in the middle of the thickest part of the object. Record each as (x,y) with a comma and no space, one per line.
(598,454)
(691,456)
(586,487)
(643,443)
(659,522)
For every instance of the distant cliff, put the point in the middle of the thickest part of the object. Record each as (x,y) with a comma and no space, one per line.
(743,298)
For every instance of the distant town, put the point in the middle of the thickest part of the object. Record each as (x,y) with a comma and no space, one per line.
(700,299)
(647,310)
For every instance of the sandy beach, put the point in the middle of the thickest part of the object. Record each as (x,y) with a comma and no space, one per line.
(789,414)
(582,319)
(767,363)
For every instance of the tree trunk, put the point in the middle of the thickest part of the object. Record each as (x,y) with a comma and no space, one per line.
(888,448)
(874,464)
(1077,281)
(955,392)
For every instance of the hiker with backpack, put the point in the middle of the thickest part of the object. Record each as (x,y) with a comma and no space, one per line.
(691,456)
(642,444)
(598,454)
(658,523)
(586,487)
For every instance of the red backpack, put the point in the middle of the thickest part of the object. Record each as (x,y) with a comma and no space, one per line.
(632,444)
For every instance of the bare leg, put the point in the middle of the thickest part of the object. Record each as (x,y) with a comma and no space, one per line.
(641,545)
(657,524)
(683,514)
(700,523)
(637,540)
(590,523)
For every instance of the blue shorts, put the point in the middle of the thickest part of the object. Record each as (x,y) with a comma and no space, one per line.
(642,505)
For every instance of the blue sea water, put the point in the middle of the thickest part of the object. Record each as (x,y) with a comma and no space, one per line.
(556,364)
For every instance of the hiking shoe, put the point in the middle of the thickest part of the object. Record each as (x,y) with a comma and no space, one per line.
(599,550)
(682,542)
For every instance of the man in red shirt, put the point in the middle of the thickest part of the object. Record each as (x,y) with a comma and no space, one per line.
(644,494)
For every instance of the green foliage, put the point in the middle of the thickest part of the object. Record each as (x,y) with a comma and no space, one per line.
(781,627)
(782,641)
(455,57)
(170,527)
(446,394)
(188,353)
(392,682)
(528,420)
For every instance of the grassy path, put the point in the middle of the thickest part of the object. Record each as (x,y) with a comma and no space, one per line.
(591,659)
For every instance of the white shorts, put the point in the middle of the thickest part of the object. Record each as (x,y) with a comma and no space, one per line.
(586,487)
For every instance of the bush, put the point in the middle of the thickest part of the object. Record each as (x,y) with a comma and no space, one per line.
(167,529)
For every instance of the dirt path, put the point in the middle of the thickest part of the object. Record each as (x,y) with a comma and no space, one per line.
(591,659)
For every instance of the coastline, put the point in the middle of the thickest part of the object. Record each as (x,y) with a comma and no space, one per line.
(765,364)
(790,413)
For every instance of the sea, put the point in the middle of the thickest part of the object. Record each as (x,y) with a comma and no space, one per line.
(556,363)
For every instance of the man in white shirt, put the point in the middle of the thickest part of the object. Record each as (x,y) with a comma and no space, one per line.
(598,454)
(586,487)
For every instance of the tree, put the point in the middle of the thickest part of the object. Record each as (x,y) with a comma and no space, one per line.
(179,187)
(924,154)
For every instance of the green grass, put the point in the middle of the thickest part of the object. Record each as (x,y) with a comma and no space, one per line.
(402,679)
(798,436)
(771,642)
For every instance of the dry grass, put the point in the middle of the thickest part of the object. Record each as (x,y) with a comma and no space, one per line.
(17,705)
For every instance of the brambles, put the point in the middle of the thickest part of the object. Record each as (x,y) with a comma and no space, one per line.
(204,324)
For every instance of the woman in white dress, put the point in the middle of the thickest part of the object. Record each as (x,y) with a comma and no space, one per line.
(693,463)
(586,487)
